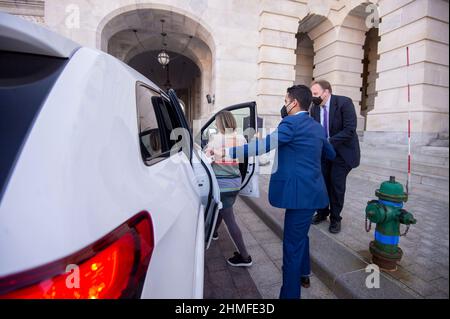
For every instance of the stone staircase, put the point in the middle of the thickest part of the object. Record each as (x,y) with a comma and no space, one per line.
(429,167)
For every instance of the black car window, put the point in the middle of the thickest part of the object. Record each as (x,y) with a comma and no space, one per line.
(25,82)
(169,119)
(151,139)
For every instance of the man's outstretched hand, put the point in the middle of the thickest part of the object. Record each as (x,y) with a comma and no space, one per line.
(219,154)
(209,152)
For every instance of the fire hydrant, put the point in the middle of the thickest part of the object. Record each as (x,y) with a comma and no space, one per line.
(388,213)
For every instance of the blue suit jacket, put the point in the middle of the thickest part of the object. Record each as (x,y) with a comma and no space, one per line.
(297,182)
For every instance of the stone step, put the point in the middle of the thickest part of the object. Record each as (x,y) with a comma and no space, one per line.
(416,167)
(440,142)
(415,157)
(401,175)
(424,190)
(424,155)
(430,192)
(430,150)
(437,151)
(422,168)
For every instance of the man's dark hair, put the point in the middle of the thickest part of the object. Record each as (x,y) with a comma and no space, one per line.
(325,85)
(302,94)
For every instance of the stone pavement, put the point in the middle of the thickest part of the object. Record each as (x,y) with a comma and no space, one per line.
(424,267)
(263,278)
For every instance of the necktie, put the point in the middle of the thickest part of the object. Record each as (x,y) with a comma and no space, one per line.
(325,120)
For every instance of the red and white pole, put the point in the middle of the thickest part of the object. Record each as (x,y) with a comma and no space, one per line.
(408,180)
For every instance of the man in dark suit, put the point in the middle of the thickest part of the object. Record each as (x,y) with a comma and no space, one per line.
(337,116)
(297,184)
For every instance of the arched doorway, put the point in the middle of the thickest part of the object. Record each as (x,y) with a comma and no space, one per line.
(134,35)
(181,74)
(345,54)
(369,75)
(365,31)
(312,51)
(304,67)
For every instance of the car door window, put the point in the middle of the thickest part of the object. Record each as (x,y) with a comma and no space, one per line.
(186,134)
(243,120)
(243,125)
(208,133)
(151,141)
(245,116)
(169,120)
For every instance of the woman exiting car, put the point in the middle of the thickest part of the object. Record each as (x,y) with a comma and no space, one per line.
(229,179)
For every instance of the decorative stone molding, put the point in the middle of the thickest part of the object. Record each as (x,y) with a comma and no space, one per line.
(35,19)
(24,8)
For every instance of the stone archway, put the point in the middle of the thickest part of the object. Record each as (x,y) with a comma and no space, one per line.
(134,31)
(369,75)
(304,67)
(182,74)
(344,54)
(313,48)
(356,28)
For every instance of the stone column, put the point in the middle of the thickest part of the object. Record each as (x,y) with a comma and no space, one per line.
(422,25)
(277,57)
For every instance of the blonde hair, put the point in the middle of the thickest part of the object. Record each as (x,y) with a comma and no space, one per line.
(225,120)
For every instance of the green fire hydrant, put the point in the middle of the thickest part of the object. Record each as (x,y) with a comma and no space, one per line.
(388,213)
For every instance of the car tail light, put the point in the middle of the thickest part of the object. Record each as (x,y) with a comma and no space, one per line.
(113,267)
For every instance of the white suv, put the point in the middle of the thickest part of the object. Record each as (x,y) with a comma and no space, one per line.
(97,199)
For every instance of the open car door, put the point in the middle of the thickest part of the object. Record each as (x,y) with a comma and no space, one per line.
(246,120)
(205,178)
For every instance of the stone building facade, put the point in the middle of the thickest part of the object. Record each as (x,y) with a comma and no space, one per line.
(254,49)
(243,50)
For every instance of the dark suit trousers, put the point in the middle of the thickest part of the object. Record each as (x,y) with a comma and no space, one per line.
(296,261)
(335,174)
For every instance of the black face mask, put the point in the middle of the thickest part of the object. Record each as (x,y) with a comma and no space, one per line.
(284,111)
(317,100)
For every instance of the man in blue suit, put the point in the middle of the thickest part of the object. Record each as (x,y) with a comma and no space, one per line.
(297,184)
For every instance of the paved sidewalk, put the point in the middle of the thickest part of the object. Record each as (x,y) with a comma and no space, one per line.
(223,281)
(424,267)
(263,278)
